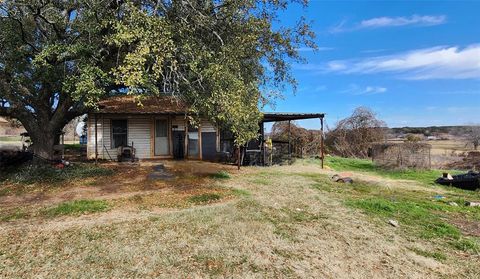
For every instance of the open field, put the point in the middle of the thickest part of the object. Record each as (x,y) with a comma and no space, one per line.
(446,147)
(445,153)
(210,220)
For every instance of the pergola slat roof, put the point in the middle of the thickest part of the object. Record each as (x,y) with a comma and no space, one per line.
(286,116)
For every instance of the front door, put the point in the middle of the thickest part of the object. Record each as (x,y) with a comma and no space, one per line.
(161,137)
(178,144)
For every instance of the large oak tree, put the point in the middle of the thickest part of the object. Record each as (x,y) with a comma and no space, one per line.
(58,58)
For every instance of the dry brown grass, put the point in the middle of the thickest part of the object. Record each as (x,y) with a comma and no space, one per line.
(272,224)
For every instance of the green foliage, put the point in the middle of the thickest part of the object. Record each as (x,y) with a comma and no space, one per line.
(77,208)
(223,58)
(204,198)
(412,138)
(42,173)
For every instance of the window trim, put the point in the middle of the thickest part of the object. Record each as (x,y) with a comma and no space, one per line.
(112,143)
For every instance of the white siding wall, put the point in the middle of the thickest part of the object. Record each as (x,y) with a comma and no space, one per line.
(139,132)
(103,138)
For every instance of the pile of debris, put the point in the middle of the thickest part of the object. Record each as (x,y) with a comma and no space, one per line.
(466,181)
(342,178)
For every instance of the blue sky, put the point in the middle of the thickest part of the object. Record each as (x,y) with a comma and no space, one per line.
(415,63)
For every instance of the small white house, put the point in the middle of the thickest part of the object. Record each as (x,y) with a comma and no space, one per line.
(157,129)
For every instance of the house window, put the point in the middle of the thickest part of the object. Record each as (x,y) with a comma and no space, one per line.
(193,150)
(119,133)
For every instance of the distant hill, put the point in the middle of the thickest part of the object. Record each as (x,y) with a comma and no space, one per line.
(432,130)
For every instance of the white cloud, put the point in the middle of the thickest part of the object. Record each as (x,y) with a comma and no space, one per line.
(309,49)
(355,89)
(340,27)
(337,66)
(421,64)
(379,22)
(374,90)
(427,20)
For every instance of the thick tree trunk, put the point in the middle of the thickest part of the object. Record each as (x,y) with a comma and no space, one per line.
(43,143)
(44,135)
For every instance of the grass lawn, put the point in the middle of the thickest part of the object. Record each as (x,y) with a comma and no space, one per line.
(278,222)
(365,165)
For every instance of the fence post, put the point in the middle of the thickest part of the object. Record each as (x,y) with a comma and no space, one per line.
(322,153)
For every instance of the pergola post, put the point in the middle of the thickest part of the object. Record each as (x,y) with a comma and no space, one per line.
(322,154)
(289,143)
(262,143)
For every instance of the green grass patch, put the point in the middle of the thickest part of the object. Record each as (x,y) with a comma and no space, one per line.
(73,146)
(419,212)
(416,216)
(10,216)
(221,175)
(241,192)
(467,245)
(204,198)
(435,255)
(77,208)
(363,165)
(44,173)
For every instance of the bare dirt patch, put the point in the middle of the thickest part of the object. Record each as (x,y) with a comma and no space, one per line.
(468,227)
(129,187)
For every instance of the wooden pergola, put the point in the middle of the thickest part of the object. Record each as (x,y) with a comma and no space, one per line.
(287,116)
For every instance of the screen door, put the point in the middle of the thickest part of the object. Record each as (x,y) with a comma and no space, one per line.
(161,137)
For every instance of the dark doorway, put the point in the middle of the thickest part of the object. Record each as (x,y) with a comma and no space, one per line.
(178,145)
(209,146)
